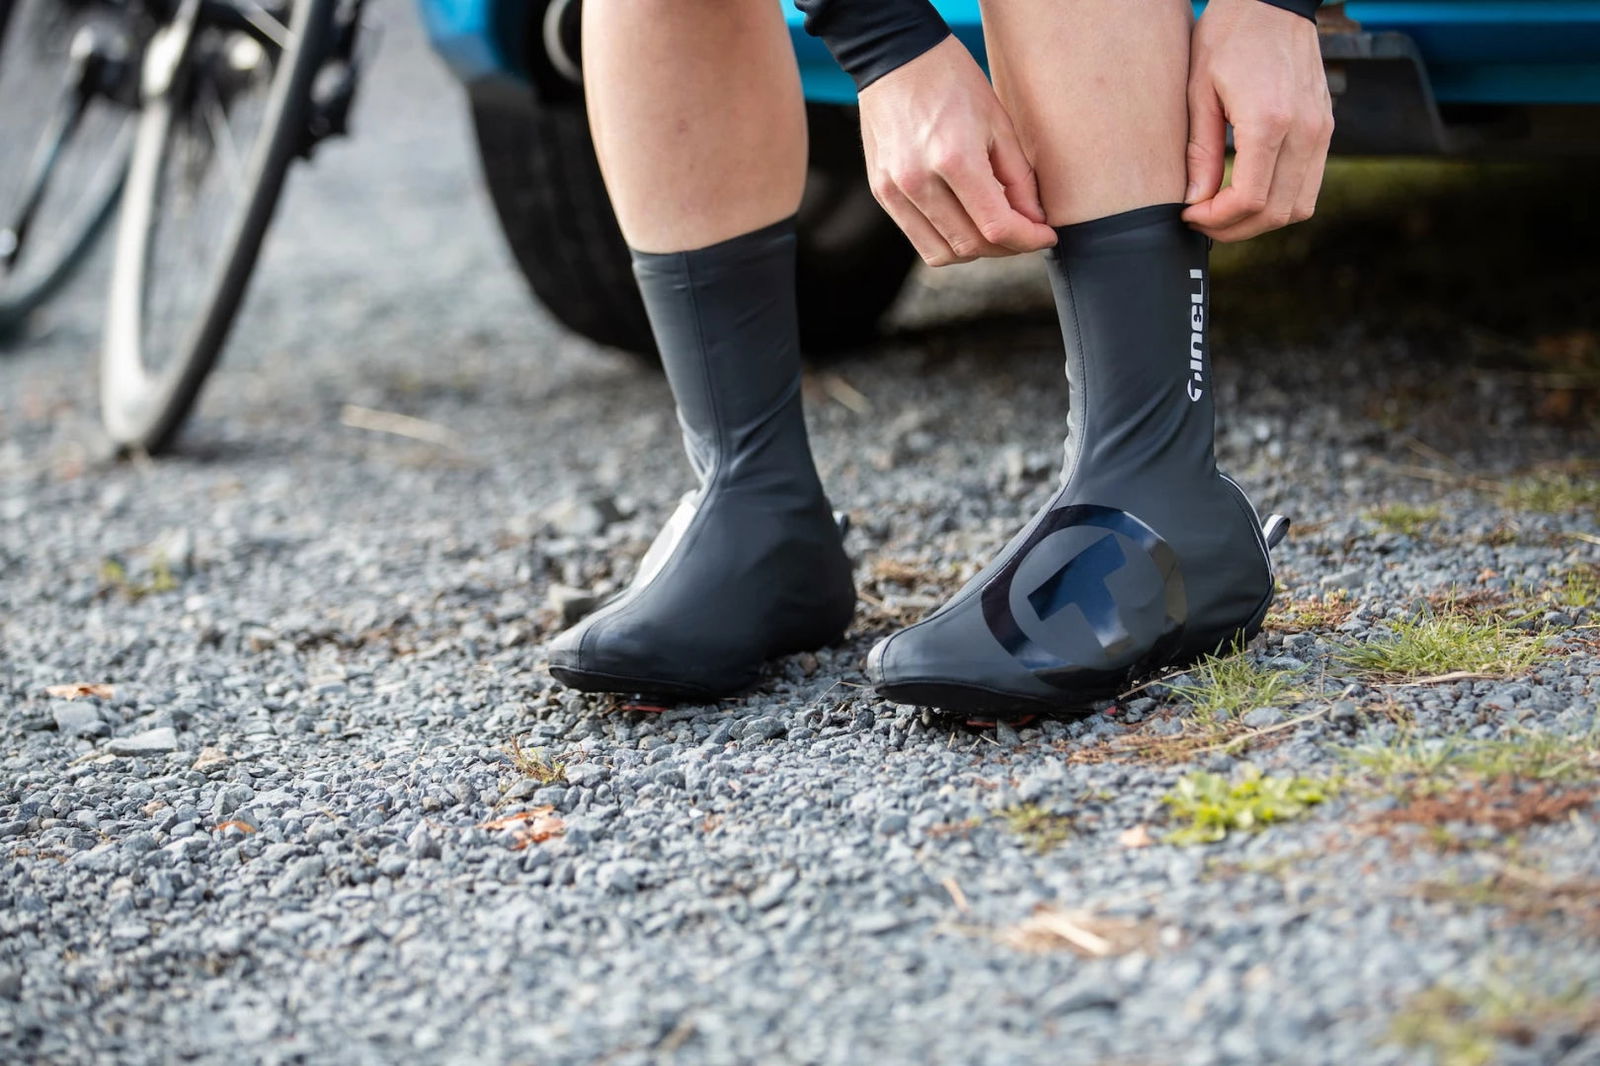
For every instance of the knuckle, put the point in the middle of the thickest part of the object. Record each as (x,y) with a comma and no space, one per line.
(996,232)
(965,247)
(1274,120)
(912,180)
(1279,218)
(1255,202)
(1302,213)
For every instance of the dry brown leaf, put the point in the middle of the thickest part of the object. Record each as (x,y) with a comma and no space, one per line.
(243,827)
(537,824)
(79,690)
(1094,936)
(1136,837)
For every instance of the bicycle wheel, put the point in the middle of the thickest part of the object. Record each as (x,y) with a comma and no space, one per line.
(225,111)
(64,135)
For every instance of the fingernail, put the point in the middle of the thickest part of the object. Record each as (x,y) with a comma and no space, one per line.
(1192,193)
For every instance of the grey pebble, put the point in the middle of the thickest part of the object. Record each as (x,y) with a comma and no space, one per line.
(151,742)
(78,718)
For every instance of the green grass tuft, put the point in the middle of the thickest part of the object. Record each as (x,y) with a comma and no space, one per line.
(114,577)
(1404,517)
(1225,686)
(1463,1026)
(1447,643)
(1554,492)
(1579,587)
(533,764)
(1210,805)
(1042,830)
(1434,764)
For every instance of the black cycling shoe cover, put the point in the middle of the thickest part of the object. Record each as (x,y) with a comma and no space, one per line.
(1146,555)
(751,565)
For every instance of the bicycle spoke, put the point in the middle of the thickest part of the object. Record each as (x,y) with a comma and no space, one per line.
(221,134)
(270,27)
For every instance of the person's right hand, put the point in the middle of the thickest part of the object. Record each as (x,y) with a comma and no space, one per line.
(945,162)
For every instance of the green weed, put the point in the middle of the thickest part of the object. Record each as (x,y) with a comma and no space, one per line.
(533,764)
(1042,830)
(1210,805)
(114,577)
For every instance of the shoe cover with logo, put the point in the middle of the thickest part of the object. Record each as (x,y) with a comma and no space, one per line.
(1147,555)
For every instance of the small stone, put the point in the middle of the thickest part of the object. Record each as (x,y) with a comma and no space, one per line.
(521,790)
(75,719)
(210,759)
(392,865)
(586,775)
(307,869)
(773,892)
(1348,579)
(890,824)
(1261,717)
(130,932)
(423,844)
(150,742)
(579,516)
(1343,711)
(765,728)
(619,877)
(570,604)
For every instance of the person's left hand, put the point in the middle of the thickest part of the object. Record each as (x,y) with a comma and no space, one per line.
(1258,67)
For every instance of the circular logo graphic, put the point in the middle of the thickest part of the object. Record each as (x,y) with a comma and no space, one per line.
(1091,592)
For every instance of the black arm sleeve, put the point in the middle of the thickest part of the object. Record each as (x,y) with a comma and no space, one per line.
(869,38)
(1307,8)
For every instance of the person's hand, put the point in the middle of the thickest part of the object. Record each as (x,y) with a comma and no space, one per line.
(945,162)
(1258,67)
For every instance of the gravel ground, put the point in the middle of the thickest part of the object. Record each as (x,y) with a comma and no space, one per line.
(274,834)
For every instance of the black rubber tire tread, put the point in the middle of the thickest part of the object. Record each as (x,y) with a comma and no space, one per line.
(161,417)
(540,168)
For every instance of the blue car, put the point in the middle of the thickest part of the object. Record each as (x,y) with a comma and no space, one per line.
(1409,77)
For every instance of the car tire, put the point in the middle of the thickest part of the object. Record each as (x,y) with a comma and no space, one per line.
(540,168)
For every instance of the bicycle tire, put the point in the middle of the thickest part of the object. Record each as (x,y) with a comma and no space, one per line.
(42,280)
(145,412)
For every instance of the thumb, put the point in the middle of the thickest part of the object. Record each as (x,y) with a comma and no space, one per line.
(1015,173)
(1208,146)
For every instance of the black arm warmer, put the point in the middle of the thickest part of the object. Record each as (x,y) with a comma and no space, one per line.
(869,38)
(1307,8)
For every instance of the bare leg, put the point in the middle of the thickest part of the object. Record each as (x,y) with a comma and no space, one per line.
(697,117)
(1096,89)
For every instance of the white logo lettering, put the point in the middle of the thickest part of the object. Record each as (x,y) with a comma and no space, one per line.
(1197,336)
